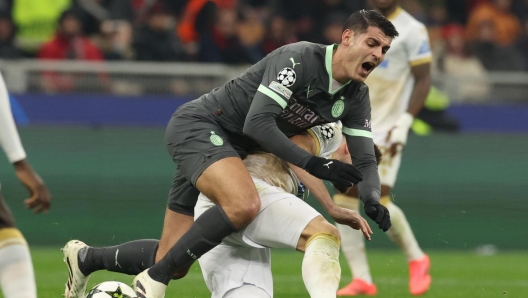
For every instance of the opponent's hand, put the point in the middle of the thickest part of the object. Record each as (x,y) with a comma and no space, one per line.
(397,136)
(333,170)
(378,213)
(352,219)
(40,197)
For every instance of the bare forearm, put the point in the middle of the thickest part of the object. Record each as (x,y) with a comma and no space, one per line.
(420,90)
(316,187)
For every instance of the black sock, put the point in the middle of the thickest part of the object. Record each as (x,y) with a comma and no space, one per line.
(129,258)
(206,233)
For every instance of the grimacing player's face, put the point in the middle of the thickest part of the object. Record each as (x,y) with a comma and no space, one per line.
(364,52)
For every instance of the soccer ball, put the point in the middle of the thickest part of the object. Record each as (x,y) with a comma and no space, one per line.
(111,289)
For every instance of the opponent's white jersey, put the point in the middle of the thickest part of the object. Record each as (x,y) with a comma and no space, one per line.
(9,139)
(274,171)
(391,83)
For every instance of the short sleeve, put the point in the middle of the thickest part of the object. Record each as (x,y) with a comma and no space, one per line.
(417,45)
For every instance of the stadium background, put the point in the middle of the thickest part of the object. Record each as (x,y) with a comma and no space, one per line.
(94,130)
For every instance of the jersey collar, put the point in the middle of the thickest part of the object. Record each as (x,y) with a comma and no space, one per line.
(328,63)
(395,13)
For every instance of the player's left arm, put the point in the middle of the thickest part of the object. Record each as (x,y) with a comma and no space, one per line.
(419,58)
(358,134)
(40,197)
(316,186)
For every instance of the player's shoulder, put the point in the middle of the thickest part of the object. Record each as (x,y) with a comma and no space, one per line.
(303,48)
(327,137)
(407,22)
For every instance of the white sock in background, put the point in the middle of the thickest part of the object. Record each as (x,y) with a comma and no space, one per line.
(401,232)
(353,242)
(321,271)
(17,278)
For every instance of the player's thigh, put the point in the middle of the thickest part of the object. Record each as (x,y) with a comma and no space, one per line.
(229,267)
(6,217)
(389,166)
(281,220)
(207,159)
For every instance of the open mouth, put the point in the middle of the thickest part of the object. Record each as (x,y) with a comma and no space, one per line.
(368,66)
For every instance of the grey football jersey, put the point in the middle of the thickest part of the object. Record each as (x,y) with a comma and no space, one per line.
(292,86)
(298,77)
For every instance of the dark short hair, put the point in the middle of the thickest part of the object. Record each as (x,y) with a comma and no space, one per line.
(361,20)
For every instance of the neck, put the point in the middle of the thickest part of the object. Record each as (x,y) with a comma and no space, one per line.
(386,12)
(338,71)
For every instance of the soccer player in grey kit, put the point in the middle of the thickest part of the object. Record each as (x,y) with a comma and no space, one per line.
(296,87)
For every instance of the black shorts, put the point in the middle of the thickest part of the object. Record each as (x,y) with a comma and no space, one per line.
(195,141)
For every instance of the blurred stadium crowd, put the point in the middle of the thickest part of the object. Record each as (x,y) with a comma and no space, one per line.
(466,35)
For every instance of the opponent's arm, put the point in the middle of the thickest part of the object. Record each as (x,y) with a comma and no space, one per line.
(357,130)
(419,57)
(320,192)
(397,136)
(40,197)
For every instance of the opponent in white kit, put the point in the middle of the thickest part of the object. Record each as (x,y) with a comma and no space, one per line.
(241,265)
(398,88)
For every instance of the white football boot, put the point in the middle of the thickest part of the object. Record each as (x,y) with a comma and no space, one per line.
(146,287)
(76,285)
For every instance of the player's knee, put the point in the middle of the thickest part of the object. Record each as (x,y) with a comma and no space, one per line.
(328,228)
(243,213)
(317,226)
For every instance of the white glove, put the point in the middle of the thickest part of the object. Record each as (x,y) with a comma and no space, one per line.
(398,134)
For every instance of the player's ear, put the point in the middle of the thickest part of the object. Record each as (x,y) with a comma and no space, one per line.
(347,36)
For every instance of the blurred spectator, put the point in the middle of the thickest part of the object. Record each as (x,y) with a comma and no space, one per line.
(506,25)
(333,27)
(495,57)
(68,43)
(36,21)
(6,6)
(522,45)
(197,18)
(251,32)
(8,50)
(466,72)
(279,33)
(221,43)
(156,41)
(109,23)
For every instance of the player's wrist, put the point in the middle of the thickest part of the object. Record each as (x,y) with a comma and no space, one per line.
(405,121)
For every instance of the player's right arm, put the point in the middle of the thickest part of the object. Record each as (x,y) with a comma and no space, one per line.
(10,141)
(308,142)
(269,100)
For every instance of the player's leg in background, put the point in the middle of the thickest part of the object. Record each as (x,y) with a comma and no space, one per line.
(400,233)
(17,278)
(353,247)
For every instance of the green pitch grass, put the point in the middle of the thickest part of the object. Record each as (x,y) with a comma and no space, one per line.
(455,274)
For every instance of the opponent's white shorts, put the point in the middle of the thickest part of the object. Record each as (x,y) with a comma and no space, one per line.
(244,258)
(389,166)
